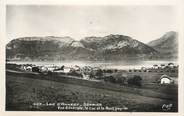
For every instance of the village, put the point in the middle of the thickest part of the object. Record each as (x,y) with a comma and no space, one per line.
(160,74)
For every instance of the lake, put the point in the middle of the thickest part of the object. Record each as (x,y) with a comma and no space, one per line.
(102,64)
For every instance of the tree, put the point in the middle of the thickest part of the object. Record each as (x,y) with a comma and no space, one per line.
(136,80)
(99,73)
(120,80)
(110,79)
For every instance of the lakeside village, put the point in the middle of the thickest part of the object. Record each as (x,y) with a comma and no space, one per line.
(162,74)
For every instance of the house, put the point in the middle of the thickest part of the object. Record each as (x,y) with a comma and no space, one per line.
(171,65)
(76,68)
(66,69)
(162,66)
(164,79)
(155,66)
(143,69)
(51,69)
(43,69)
(28,68)
(62,69)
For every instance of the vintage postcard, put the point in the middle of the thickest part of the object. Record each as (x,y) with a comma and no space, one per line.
(92,57)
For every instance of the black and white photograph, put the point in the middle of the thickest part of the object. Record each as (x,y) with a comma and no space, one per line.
(91,58)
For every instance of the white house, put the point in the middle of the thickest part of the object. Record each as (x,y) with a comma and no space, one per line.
(164,79)
(51,69)
(155,66)
(28,68)
(66,69)
(162,66)
(171,65)
(43,69)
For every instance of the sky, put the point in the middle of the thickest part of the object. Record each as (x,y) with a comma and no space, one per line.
(143,23)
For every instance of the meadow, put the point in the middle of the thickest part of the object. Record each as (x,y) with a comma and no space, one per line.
(23,90)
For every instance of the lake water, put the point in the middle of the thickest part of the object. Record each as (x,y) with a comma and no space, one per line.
(102,64)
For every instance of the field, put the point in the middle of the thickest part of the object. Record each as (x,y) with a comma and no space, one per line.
(35,92)
(152,77)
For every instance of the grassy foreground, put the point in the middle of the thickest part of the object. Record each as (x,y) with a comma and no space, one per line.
(32,92)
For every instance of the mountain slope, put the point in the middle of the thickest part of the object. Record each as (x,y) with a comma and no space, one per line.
(46,48)
(114,47)
(167,45)
(111,47)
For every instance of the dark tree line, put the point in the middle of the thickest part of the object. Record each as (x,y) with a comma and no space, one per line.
(135,80)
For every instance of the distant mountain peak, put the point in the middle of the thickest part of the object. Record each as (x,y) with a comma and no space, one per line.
(167,45)
(165,37)
(170,34)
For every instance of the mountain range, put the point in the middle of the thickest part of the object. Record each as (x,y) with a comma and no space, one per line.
(110,47)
